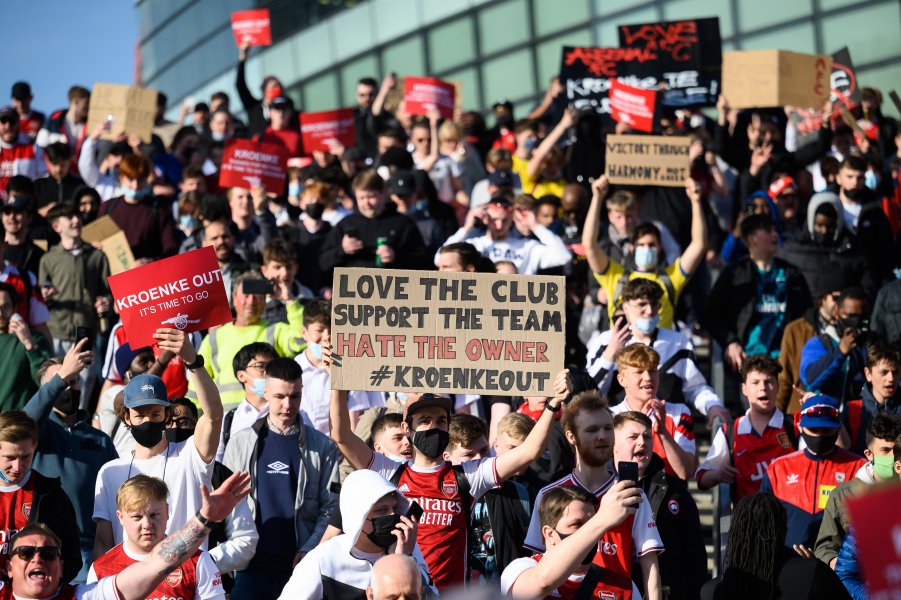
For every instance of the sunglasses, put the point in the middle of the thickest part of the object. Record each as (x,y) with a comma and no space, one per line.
(821,410)
(26,553)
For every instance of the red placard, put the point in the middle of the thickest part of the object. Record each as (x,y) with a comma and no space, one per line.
(183,292)
(320,130)
(246,164)
(252,27)
(421,94)
(876,524)
(632,106)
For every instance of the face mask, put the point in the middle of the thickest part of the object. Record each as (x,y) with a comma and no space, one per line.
(148,433)
(821,239)
(3,476)
(188,222)
(294,188)
(645,256)
(67,402)
(431,442)
(144,192)
(884,467)
(315,349)
(273,92)
(382,527)
(401,397)
(217,137)
(129,193)
(177,434)
(850,322)
(530,144)
(589,558)
(257,385)
(820,445)
(853,194)
(314,211)
(646,326)
(871,180)
(397,459)
(504,121)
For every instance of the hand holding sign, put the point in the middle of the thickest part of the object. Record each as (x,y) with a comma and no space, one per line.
(176,342)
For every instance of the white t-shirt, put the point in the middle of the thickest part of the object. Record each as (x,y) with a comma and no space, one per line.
(105,589)
(180,466)
(317,395)
(106,414)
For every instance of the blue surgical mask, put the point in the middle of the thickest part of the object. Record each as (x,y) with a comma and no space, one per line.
(315,350)
(257,386)
(129,193)
(294,188)
(871,179)
(645,257)
(530,144)
(4,478)
(188,222)
(646,326)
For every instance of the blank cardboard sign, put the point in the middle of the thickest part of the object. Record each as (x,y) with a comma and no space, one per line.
(765,78)
(130,109)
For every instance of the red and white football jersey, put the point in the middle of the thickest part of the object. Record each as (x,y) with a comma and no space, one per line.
(679,424)
(15,508)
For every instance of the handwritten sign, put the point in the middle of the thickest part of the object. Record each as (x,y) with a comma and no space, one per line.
(845,92)
(422,94)
(632,106)
(182,292)
(115,244)
(648,160)
(425,331)
(766,78)
(251,27)
(247,164)
(321,130)
(127,108)
(586,73)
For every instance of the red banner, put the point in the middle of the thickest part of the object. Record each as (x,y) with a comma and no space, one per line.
(183,292)
(632,106)
(247,164)
(421,94)
(252,27)
(876,524)
(321,130)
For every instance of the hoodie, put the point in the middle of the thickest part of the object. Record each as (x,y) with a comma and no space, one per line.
(335,569)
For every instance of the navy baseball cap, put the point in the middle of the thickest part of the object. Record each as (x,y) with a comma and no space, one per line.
(145,390)
(820,411)
(402,184)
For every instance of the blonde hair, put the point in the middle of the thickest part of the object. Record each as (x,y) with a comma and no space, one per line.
(516,425)
(637,356)
(138,491)
(449,129)
(622,200)
(16,426)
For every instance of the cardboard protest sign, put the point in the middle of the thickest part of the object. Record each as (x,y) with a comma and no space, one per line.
(127,108)
(115,245)
(648,160)
(320,130)
(632,106)
(252,27)
(425,331)
(183,292)
(246,164)
(876,523)
(686,63)
(766,78)
(421,94)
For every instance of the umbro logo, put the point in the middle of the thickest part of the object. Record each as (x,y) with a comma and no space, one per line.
(277,468)
(404,488)
(792,478)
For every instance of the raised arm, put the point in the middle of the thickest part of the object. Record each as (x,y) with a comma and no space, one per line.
(534,445)
(697,249)
(209,426)
(548,143)
(597,258)
(351,446)
(388,84)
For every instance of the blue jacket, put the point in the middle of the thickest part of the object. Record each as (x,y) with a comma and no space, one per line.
(848,570)
(827,371)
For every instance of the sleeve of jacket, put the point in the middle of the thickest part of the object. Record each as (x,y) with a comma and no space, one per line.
(718,322)
(878,321)
(816,149)
(40,405)
(87,163)
(695,387)
(268,230)
(328,501)
(235,553)
(787,352)
(848,570)
(821,367)
(247,98)
(829,539)
(411,252)
(332,255)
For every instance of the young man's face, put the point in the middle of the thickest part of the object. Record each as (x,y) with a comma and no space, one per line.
(141,363)
(640,384)
(248,306)
(283,398)
(34,578)
(850,179)
(393,442)
(192,184)
(15,459)
(634,443)
(640,308)
(7,309)
(878,447)
(370,203)
(593,437)
(60,168)
(153,413)
(574,516)
(449,262)
(824,225)
(764,240)
(623,221)
(14,221)
(460,454)
(761,390)
(255,369)
(506,442)
(499,220)
(219,236)
(279,272)
(240,202)
(68,227)
(883,378)
(385,506)
(429,417)
(145,526)
(314,332)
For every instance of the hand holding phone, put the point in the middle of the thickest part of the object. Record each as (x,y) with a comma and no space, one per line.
(628,471)
(82,333)
(415,511)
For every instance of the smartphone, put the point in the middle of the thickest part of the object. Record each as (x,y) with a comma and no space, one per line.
(85,333)
(47,284)
(628,471)
(415,511)
(352,232)
(256,287)
(619,321)
(334,487)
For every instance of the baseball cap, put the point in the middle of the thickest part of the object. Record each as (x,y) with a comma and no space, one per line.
(502,103)
(281,102)
(18,203)
(125,355)
(21,90)
(426,400)
(9,111)
(402,184)
(780,185)
(144,390)
(820,411)
(501,177)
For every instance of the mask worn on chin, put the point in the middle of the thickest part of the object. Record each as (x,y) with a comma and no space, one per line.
(382,527)
(647,326)
(4,478)
(820,445)
(315,349)
(853,194)
(67,402)
(884,467)
(148,433)
(431,442)
(589,558)
(397,459)
(645,257)
(177,434)
(314,210)
(257,386)
(530,144)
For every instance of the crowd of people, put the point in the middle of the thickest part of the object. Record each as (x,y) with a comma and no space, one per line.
(783,255)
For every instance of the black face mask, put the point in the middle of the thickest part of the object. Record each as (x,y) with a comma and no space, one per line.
(850,322)
(431,442)
(853,194)
(504,121)
(822,239)
(148,433)
(314,210)
(382,528)
(67,402)
(589,558)
(177,434)
(820,445)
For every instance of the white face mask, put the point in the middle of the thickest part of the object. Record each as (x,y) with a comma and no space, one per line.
(646,326)
(645,257)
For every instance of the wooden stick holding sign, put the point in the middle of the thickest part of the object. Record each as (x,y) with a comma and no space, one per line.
(895,100)
(470,333)
(648,160)
(851,122)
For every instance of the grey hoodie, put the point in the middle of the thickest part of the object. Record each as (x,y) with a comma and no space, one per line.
(818,200)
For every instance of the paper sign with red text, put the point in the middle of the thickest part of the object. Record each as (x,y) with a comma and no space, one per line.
(247,164)
(876,523)
(183,292)
(632,106)
(252,27)
(322,130)
(422,94)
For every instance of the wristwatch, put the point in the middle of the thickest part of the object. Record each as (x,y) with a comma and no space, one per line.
(553,409)
(204,521)
(197,364)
